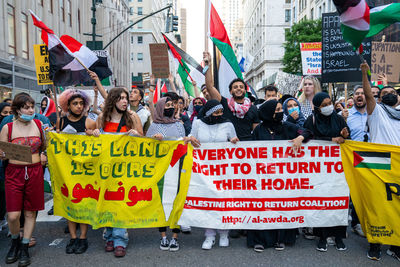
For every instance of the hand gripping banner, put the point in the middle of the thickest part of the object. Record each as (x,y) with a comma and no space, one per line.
(118,180)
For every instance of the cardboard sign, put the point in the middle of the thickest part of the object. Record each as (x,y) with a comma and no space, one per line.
(287,83)
(42,64)
(159,60)
(340,63)
(311,58)
(385,60)
(16,152)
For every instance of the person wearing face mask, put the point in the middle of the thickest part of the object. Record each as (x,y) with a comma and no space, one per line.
(325,124)
(116,118)
(5,110)
(166,126)
(384,128)
(272,128)
(198,104)
(292,110)
(212,127)
(24,181)
(47,106)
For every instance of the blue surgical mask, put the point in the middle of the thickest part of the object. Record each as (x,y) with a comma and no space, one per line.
(293,110)
(27,117)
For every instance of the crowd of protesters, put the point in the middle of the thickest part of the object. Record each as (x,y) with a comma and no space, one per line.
(370,115)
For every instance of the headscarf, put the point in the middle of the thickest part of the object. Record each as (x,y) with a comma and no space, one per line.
(209,108)
(327,126)
(66,96)
(2,106)
(159,114)
(195,113)
(300,120)
(50,106)
(266,113)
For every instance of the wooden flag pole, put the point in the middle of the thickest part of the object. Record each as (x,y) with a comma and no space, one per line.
(345,95)
(57,113)
(83,65)
(330,90)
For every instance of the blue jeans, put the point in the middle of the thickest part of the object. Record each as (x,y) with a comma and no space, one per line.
(117,235)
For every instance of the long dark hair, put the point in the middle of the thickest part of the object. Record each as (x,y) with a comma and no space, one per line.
(114,95)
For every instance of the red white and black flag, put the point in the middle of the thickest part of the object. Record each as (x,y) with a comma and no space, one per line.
(64,53)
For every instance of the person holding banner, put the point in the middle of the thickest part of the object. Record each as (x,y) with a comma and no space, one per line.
(212,128)
(116,118)
(24,181)
(272,128)
(384,128)
(75,103)
(309,86)
(325,124)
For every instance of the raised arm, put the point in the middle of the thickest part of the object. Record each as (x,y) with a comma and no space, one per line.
(367,89)
(196,89)
(214,94)
(171,82)
(96,79)
(151,95)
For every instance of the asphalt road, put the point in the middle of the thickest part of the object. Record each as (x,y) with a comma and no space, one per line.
(143,250)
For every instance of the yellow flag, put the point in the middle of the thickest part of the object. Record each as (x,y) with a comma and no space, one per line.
(118,180)
(373,175)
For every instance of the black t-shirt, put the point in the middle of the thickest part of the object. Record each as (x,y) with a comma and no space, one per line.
(243,127)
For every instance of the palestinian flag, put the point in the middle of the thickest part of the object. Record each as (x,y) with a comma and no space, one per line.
(372,160)
(164,89)
(228,67)
(64,53)
(382,17)
(188,69)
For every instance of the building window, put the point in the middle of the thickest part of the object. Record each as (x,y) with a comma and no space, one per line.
(51,6)
(287,1)
(287,15)
(140,1)
(131,39)
(140,56)
(140,10)
(69,12)
(62,10)
(11,29)
(140,39)
(132,56)
(25,41)
(79,21)
(140,25)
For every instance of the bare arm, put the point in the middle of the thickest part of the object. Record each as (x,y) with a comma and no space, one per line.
(151,95)
(138,123)
(367,89)
(171,82)
(100,87)
(196,89)
(214,94)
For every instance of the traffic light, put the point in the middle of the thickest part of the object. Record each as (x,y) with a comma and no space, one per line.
(168,24)
(175,23)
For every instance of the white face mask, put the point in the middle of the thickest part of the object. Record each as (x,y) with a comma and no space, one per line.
(327,111)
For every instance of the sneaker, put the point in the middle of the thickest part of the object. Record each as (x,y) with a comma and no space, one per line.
(394,252)
(71,247)
(208,243)
(119,252)
(82,246)
(279,246)
(164,245)
(374,252)
(173,245)
(186,229)
(322,245)
(340,245)
(258,248)
(224,241)
(109,246)
(330,241)
(308,233)
(358,230)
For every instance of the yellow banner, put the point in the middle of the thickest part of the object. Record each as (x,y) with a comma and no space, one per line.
(373,175)
(119,180)
(42,64)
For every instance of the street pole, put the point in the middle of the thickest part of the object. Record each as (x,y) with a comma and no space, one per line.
(13,72)
(136,22)
(94,22)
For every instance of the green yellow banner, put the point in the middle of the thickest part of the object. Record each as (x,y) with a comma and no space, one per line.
(373,175)
(118,180)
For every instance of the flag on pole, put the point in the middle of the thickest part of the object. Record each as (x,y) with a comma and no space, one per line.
(66,55)
(164,89)
(156,93)
(188,69)
(228,68)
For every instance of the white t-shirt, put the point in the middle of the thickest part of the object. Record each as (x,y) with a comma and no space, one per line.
(382,128)
(220,132)
(144,115)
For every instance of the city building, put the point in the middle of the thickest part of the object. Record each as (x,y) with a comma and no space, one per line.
(265,22)
(311,9)
(71,17)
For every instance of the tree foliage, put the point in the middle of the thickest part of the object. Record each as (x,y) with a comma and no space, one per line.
(302,32)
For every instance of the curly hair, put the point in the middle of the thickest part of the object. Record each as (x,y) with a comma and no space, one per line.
(114,95)
(70,94)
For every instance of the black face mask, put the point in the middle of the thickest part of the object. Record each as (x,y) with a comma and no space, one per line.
(169,112)
(198,108)
(74,114)
(120,111)
(216,119)
(278,117)
(389,99)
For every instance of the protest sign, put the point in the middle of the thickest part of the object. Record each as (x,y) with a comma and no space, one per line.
(159,60)
(340,63)
(118,180)
(16,152)
(372,172)
(311,58)
(385,60)
(264,185)
(287,83)
(42,64)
